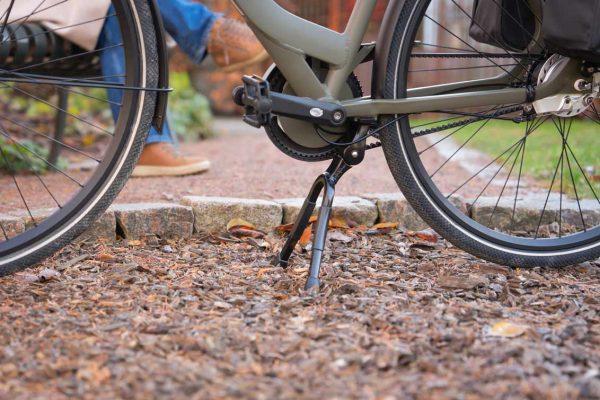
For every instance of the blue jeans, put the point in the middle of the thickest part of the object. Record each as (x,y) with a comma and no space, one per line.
(187,22)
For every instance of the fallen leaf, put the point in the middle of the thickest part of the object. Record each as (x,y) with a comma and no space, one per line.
(428,235)
(284,228)
(338,223)
(106,257)
(461,282)
(48,275)
(246,232)
(338,236)
(386,225)
(239,223)
(507,329)
(259,243)
(383,228)
(305,238)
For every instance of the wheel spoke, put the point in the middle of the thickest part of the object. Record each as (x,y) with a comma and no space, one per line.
(100,129)
(583,172)
(488,34)
(35,132)
(72,56)
(5,17)
(51,165)
(522,163)
(460,148)
(473,48)
(14,179)
(27,160)
(506,181)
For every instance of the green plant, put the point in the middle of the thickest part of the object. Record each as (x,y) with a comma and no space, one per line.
(189,111)
(25,156)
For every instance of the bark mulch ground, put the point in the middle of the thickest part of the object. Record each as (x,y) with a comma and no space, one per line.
(397,317)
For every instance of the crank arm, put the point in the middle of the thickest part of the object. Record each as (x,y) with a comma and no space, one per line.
(260,104)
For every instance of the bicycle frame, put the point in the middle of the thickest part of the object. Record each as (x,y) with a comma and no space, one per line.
(289,39)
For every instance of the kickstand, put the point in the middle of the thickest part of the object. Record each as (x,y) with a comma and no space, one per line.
(325,184)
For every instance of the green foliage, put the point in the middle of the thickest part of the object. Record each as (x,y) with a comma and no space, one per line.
(189,112)
(25,156)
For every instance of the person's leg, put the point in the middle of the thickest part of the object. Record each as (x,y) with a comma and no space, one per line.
(190,24)
(198,31)
(112,60)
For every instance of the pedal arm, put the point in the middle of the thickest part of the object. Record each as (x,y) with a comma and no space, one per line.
(260,104)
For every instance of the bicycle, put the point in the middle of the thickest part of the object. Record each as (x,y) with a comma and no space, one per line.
(437,94)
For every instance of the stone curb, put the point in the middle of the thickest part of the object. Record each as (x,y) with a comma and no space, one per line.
(356,210)
(198,214)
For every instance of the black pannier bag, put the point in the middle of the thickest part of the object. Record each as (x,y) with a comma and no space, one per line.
(572,28)
(508,24)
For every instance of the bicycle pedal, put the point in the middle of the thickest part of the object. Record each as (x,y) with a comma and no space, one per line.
(255,97)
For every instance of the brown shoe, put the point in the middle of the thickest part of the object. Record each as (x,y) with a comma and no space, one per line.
(232,45)
(162,159)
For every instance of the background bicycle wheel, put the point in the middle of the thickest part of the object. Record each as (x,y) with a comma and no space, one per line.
(52,187)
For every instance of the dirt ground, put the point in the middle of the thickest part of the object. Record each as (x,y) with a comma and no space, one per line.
(397,318)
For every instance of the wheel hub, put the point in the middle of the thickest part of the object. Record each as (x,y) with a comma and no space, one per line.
(574,99)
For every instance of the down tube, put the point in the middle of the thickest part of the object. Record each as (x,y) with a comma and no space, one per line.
(276,26)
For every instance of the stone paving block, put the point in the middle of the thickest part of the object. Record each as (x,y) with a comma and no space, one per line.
(355,209)
(104,229)
(169,221)
(528,212)
(212,214)
(393,207)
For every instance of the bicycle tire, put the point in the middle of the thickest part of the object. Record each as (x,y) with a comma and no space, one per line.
(63,227)
(440,215)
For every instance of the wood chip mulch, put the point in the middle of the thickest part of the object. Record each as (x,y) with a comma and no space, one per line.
(397,317)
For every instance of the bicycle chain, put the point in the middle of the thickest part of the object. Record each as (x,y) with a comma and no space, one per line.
(498,113)
(452,125)
(474,55)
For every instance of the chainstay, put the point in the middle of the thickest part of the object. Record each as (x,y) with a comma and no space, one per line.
(445,127)
(476,55)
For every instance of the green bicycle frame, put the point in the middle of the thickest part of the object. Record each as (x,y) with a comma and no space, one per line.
(289,39)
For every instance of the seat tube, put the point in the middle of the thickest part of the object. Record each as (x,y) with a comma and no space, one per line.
(354,34)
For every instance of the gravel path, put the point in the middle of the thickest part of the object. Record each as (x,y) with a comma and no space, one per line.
(245,164)
(208,318)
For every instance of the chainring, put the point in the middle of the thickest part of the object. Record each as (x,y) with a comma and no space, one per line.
(300,139)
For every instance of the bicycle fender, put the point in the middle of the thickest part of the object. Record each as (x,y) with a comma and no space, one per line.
(162,97)
(384,44)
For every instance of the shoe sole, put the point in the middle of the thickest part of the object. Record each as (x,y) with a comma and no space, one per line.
(234,67)
(148,171)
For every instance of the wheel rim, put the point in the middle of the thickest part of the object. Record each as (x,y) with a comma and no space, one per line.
(112,142)
(437,185)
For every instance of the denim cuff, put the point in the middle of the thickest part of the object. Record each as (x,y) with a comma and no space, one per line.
(197,51)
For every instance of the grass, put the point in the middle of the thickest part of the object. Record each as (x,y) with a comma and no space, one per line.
(543,150)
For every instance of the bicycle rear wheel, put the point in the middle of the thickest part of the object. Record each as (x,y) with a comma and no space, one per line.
(63,162)
(502,182)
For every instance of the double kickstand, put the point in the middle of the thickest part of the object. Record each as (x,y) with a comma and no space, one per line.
(325,184)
